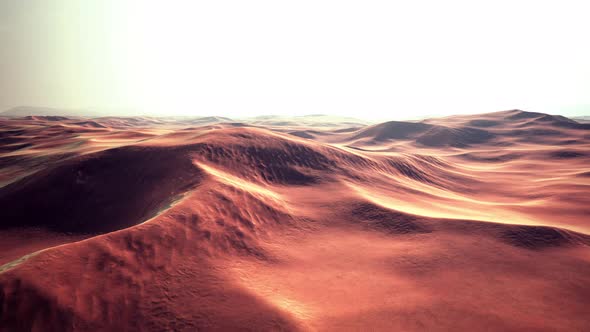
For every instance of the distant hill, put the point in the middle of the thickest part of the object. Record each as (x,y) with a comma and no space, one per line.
(312,120)
(585,118)
(47,113)
(465,130)
(23,111)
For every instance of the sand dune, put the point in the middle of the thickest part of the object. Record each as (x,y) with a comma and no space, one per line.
(472,222)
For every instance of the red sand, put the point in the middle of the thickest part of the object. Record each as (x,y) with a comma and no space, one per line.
(460,223)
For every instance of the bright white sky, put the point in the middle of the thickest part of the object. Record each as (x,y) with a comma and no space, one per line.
(367,59)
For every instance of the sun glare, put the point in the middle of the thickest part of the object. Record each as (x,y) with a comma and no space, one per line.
(375,59)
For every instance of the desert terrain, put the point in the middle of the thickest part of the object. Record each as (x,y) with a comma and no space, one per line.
(461,223)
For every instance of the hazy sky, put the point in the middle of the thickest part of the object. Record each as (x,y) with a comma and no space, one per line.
(371,59)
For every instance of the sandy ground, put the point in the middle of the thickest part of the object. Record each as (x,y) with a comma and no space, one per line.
(135,224)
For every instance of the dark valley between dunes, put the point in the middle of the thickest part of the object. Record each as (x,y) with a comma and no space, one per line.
(313,223)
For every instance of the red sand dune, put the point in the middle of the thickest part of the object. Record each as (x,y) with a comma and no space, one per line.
(460,223)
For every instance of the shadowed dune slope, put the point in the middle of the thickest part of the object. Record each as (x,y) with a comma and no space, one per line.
(393,129)
(99,192)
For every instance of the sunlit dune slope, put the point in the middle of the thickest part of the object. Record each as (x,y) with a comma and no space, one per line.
(460,223)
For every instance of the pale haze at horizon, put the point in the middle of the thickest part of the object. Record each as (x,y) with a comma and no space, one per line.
(366,59)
